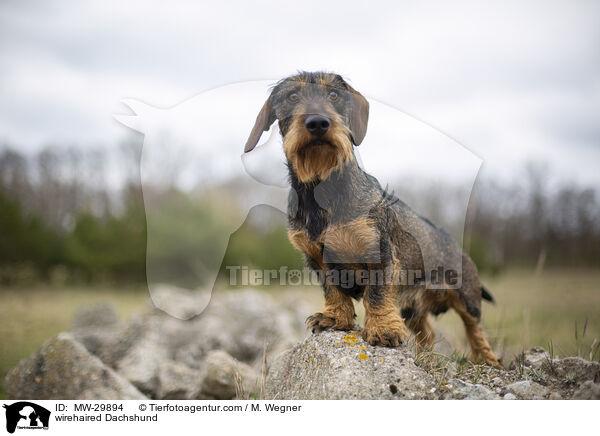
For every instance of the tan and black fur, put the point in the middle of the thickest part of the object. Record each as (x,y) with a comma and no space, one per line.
(341,218)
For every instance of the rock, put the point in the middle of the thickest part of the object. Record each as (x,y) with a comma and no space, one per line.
(576,369)
(460,390)
(62,369)
(146,351)
(225,378)
(573,369)
(177,381)
(528,390)
(588,391)
(340,365)
(219,354)
(241,323)
(97,340)
(534,358)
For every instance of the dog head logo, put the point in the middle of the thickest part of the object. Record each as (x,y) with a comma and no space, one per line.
(204,136)
(26,415)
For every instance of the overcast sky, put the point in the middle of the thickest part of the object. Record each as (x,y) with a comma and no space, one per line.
(512,81)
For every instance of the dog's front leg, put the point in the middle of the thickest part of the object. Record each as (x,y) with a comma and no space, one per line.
(383,324)
(337,314)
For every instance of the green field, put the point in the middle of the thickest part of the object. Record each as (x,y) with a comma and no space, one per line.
(529,311)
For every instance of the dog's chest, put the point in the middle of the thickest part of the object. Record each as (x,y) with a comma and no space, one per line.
(355,242)
(329,227)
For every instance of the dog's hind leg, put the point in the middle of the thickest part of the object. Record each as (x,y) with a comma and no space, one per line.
(481,351)
(423,331)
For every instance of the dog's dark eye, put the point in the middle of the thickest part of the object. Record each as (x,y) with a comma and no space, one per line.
(333,96)
(293,97)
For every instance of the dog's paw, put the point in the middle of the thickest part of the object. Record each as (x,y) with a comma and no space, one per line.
(386,336)
(319,322)
(487,358)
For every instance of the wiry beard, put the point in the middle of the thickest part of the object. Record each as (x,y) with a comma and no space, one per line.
(315,159)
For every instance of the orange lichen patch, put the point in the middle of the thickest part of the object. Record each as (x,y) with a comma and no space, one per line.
(351,339)
(362,347)
(363,356)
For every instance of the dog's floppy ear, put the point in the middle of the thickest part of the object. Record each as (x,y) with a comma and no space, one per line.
(265,118)
(359,116)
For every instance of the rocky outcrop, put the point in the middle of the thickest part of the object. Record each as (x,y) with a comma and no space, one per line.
(251,345)
(340,365)
(218,354)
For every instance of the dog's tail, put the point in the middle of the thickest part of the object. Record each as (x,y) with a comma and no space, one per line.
(485,294)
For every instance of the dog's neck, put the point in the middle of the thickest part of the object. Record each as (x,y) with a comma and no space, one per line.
(340,197)
(339,178)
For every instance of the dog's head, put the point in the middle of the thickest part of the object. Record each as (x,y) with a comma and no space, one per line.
(320,117)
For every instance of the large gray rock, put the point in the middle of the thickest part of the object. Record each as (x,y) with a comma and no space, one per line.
(62,369)
(340,365)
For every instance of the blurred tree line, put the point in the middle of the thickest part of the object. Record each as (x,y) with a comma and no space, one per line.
(65,216)
(534,223)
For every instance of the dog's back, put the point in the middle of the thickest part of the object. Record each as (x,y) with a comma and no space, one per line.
(432,258)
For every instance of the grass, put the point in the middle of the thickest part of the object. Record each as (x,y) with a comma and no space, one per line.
(30,316)
(558,310)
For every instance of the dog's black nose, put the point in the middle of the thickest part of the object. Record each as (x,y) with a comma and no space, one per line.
(317,124)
